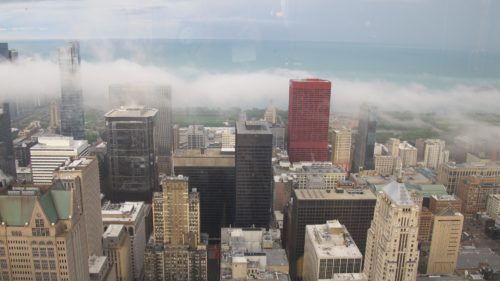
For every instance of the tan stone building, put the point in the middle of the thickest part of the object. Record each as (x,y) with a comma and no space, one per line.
(392,247)
(384,164)
(434,153)
(341,148)
(493,206)
(42,236)
(445,243)
(116,243)
(450,174)
(474,192)
(407,154)
(83,173)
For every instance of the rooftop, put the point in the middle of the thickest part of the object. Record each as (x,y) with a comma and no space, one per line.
(96,263)
(113,230)
(471,257)
(332,240)
(77,164)
(398,193)
(121,212)
(347,277)
(131,112)
(210,157)
(59,142)
(338,194)
(252,128)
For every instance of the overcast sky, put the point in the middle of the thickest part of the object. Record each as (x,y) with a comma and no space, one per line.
(441,24)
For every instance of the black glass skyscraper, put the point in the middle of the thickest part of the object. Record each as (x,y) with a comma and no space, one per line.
(7,158)
(365,139)
(72,117)
(254,142)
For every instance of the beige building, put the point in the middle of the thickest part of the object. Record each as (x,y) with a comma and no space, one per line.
(342,148)
(55,116)
(393,146)
(116,243)
(474,192)
(493,206)
(450,174)
(318,175)
(84,172)
(270,114)
(445,243)
(407,154)
(42,236)
(384,164)
(329,250)
(392,247)
(434,153)
(100,269)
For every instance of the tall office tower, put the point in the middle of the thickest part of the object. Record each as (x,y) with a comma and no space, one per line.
(393,146)
(55,116)
(175,247)
(391,246)
(152,96)
(116,244)
(278,132)
(132,160)
(72,115)
(328,251)
(434,153)
(254,175)
(474,192)
(450,174)
(351,207)
(42,236)
(132,215)
(83,174)
(341,148)
(212,172)
(270,114)
(407,154)
(308,119)
(52,152)
(196,136)
(7,54)
(445,243)
(365,139)
(7,156)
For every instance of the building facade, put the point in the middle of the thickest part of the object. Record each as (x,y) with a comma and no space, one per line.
(407,154)
(474,192)
(131,151)
(341,148)
(434,153)
(253,193)
(196,137)
(450,174)
(365,139)
(493,206)
(72,115)
(308,119)
(391,246)
(116,244)
(7,156)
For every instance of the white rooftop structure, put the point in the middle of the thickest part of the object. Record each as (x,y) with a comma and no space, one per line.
(332,240)
(398,193)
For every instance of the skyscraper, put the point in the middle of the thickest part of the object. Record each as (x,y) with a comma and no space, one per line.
(254,174)
(308,118)
(391,247)
(434,153)
(7,157)
(152,96)
(341,146)
(365,139)
(132,160)
(72,115)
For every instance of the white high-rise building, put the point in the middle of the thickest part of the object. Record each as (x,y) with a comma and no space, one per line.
(434,153)
(392,247)
(408,154)
(52,152)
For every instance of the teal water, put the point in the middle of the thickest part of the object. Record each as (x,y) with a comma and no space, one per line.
(432,68)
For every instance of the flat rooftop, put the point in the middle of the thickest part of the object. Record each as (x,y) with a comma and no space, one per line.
(96,263)
(347,194)
(77,164)
(113,230)
(347,277)
(58,142)
(332,241)
(121,212)
(209,157)
(470,258)
(252,128)
(131,112)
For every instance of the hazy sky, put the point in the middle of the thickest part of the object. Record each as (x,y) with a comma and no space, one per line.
(442,24)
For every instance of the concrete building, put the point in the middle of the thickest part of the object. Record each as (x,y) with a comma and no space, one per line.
(212,172)
(116,243)
(72,115)
(437,203)
(7,156)
(450,174)
(341,148)
(270,114)
(54,116)
(407,154)
(42,236)
(384,164)
(474,192)
(22,152)
(83,174)
(52,152)
(131,151)
(132,215)
(252,253)
(100,269)
(353,207)
(493,206)
(393,146)
(196,137)
(149,95)
(365,139)
(253,174)
(434,153)
(330,250)
(308,119)
(445,243)
(391,246)
(430,208)
(319,175)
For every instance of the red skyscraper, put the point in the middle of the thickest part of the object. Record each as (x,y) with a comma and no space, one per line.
(308,115)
